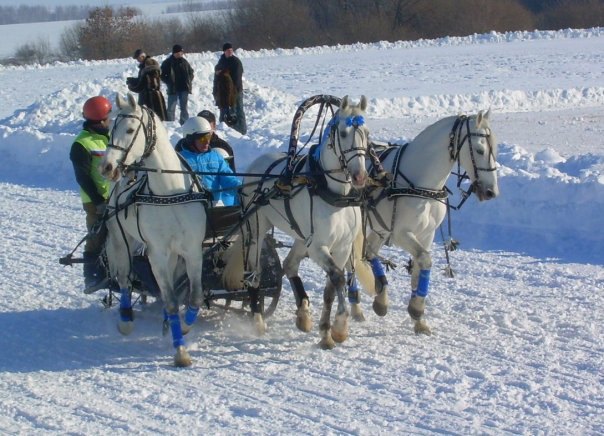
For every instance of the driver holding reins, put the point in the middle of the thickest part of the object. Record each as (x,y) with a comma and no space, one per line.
(196,150)
(87,153)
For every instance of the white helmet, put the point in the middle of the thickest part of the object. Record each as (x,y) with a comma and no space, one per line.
(196,126)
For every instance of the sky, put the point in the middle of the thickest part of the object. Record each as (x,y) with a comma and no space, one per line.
(518,332)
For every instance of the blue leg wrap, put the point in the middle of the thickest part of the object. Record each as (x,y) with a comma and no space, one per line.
(126,306)
(424,281)
(376,266)
(353,289)
(191,315)
(177,339)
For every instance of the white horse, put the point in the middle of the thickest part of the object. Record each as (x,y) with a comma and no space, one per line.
(323,230)
(408,212)
(165,211)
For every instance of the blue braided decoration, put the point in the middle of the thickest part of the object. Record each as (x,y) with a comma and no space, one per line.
(376,266)
(191,315)
(424,281)
(355,121)
(177,339)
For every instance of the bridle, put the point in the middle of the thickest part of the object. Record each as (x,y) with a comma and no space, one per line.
(456,142)
(346,156)
(149,131)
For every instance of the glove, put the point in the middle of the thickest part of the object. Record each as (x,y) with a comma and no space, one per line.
(100,209)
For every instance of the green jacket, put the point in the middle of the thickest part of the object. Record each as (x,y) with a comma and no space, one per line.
(87,153)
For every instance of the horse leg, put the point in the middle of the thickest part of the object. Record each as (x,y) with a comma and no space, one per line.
(291,266)
(327,341)
(163,266)
(420,280)
(354,298)
(253,244)
(380,301)
(119,267)
(126,322)
(194,267)
(336,284)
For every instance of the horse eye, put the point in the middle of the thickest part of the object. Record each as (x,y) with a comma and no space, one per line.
(343,134)
(480,151)
(130,131)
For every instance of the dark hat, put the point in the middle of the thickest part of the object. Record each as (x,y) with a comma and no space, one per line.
(226,46)
(137,53)
(207,115)
(177,48)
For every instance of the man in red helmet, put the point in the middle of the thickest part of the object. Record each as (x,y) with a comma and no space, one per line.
(87,152)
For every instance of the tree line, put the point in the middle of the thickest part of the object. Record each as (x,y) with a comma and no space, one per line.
(255,24)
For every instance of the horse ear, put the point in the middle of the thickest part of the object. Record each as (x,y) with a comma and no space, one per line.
(344,103)
(119,101)
(131,101)
(363,103)
(482,117)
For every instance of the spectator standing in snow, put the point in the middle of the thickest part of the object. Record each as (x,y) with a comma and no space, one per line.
(177,74)
(228,89)
(147,84)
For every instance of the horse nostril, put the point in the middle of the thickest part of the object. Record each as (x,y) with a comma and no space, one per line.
(490,194)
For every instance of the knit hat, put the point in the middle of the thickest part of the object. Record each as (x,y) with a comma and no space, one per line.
(226,46)
(207,115)
(137,53)
(177,48)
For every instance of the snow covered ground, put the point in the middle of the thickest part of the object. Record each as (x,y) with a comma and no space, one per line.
(518,337)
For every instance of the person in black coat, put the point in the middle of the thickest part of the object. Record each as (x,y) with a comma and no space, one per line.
(229,69)
(177,74)
(148,85)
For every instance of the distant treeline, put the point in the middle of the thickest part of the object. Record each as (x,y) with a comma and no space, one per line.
(255,24)
(38,14)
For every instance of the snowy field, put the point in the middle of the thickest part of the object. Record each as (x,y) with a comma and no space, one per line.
(518,333)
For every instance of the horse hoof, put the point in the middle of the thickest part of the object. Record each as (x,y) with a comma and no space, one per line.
(421,328)
(339,329)
(379,308)
(357,313)
(416,307)
(182,359)
(303,317)
(327,343)
(125,327)
(259,324)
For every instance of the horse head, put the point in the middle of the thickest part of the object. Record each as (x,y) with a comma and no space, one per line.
(349,140)
(133,137)
(479,157)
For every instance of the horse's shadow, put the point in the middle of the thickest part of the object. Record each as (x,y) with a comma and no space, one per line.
(68,339)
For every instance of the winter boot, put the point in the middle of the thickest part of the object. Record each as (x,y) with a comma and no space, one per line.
(95,277)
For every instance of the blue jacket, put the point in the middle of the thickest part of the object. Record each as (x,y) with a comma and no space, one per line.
(212,162)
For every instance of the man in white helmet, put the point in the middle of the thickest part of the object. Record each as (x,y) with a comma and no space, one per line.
(196,150)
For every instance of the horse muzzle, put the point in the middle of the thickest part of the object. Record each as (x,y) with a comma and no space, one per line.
(359,180)
(110,172)
(485,193)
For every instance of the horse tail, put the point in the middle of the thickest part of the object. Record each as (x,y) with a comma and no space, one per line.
(362,268)
(232,275)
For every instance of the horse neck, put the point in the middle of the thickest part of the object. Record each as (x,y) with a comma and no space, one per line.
(165,158)
(427,162)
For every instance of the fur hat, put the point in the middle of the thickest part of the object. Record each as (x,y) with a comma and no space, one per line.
(226,46)
(137,53)
(177,48)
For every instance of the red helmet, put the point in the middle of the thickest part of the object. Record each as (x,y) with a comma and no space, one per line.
(96,108)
